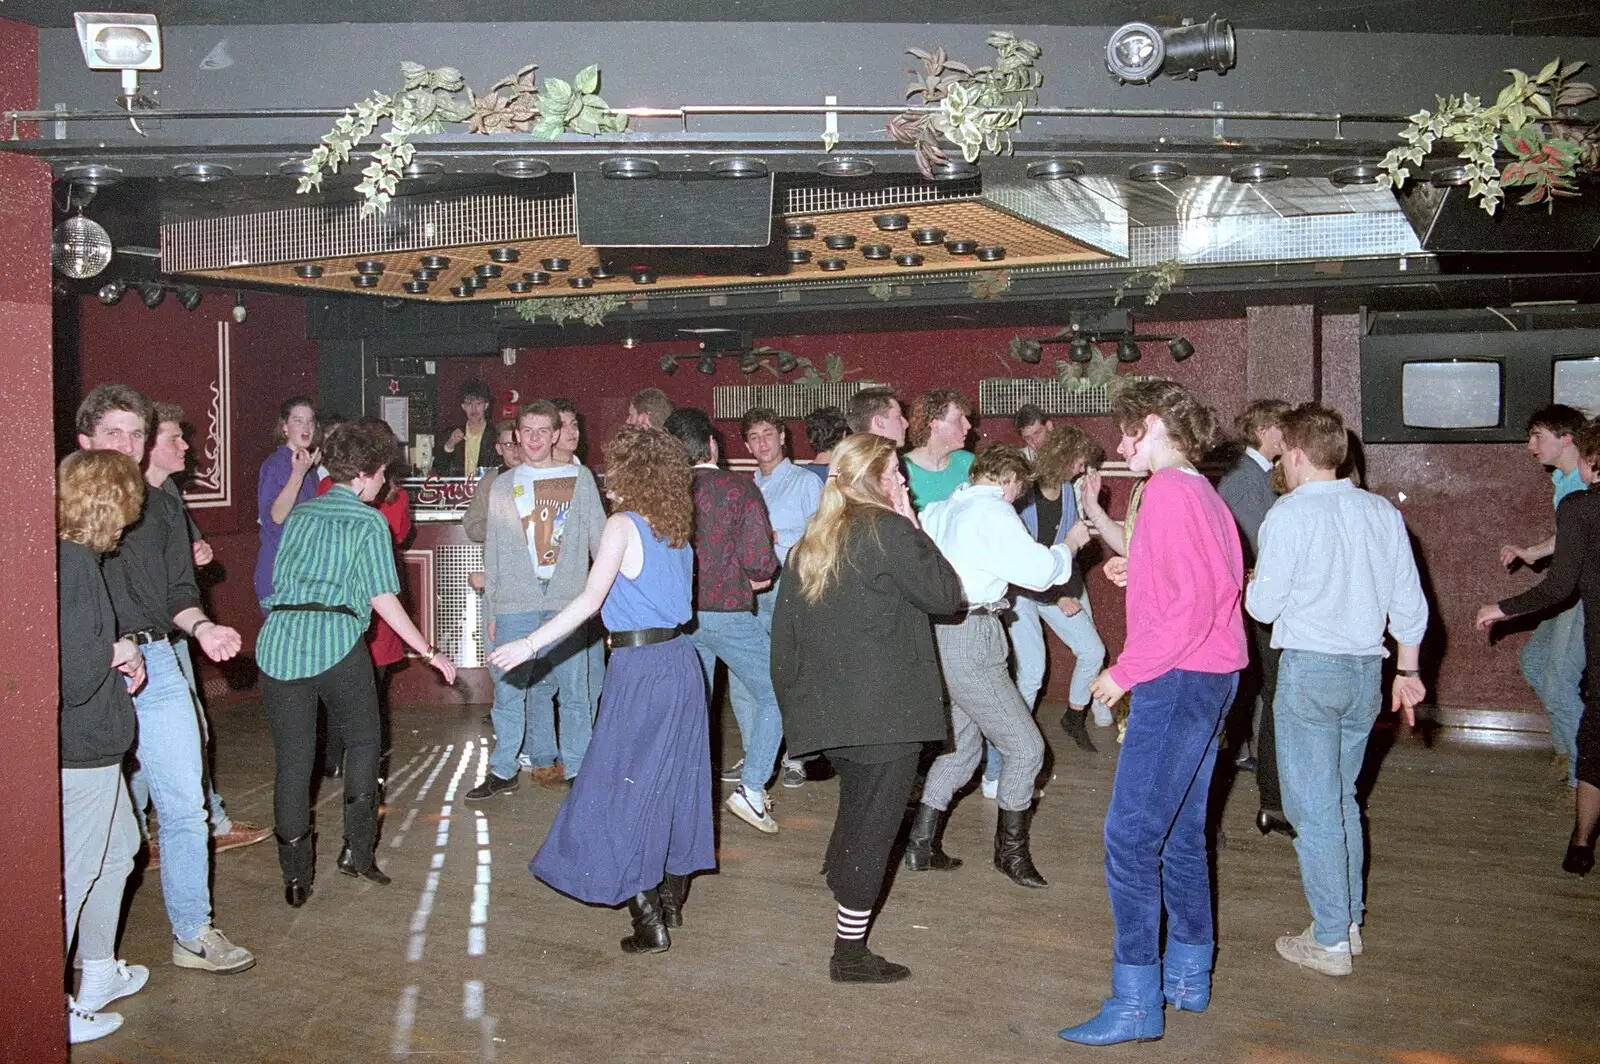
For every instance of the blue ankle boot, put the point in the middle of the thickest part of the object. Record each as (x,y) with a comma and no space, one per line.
(1186,975)
(1131,1014)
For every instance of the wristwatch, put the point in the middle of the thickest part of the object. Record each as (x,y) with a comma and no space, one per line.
(1410,674)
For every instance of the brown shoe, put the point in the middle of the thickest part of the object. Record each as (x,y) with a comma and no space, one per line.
(154,849)
(242,835)
(551,776)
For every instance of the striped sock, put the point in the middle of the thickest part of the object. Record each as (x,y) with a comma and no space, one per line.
(851,924)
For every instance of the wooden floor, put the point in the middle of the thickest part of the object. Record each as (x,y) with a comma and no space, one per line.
(1478,948)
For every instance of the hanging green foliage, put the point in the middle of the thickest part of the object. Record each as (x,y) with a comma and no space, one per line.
(591,310)
(977,108)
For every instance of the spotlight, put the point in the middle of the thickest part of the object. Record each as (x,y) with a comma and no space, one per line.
(80,247)
(1180,348)
(1127,350)
(112,291)
(787,363)
(1081,350)
(749,363)
(151,293)
(1030,351)
(668,364)
(189,296)
(119,41)
(239,313)
(1137,52)
(707,365)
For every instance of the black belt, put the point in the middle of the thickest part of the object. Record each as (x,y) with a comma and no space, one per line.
(315,607)
(989,609)
(151,635)
(641,637)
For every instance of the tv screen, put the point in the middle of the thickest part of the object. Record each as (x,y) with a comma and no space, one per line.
(1450,394)
(1576,382)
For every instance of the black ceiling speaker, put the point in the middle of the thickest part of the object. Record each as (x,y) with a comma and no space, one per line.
(687,210)
(1446,219)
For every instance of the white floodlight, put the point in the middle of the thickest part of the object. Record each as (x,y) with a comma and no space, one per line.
(123,41)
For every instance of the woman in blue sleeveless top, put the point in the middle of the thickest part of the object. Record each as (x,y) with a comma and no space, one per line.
(638,821)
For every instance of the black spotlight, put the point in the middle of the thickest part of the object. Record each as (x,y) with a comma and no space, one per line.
(668,364)
(707,365)
(1080,350)
(151,293)
(1030,351)
(787,363)
(1127,350)
(749,363)
(1180,348)
(189,296)
(112,291)
(1137,52)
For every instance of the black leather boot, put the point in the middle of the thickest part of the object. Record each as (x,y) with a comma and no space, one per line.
(357,856)
(1075,723)
(672,891)
(1011,854)
(853,962)
(924,849)
(649,933)
(296,858)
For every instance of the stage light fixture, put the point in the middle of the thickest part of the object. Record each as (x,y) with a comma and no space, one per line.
(1030,351)
(120,41)
(189,296)
(112,291)
(239,311)
(1138,51)
(668,364)
(151,293)
(1127,350)
(707,365)
(749,363)
(787,363)
(1180,348)
(1081,350)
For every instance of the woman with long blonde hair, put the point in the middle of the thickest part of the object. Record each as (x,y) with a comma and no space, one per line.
(854,668)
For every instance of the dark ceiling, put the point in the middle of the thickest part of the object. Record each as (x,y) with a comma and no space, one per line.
(1531,18)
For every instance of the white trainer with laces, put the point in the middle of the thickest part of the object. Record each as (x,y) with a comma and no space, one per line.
(1304,950)
(991,787)
(1355,940)
(86,1026)
(123,979)
(210,951)
(739,805)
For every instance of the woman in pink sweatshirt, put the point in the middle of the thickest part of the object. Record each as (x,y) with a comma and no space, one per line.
(1185,646)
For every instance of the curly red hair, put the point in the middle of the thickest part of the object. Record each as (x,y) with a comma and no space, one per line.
(648,472)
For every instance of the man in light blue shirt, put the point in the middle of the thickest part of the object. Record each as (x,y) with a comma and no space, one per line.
(1334,567)
(792,495)
(1553,658)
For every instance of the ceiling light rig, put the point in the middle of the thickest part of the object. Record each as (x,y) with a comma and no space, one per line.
(1084,334)
(1138,51)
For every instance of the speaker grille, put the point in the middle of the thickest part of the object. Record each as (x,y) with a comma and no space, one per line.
(731,401)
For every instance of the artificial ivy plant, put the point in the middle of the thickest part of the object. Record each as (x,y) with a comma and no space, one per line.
(978,107)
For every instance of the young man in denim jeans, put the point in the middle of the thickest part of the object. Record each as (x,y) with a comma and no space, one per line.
(1553,658)
(1334,566)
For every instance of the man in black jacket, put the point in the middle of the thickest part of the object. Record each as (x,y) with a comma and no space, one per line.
(464,448)
(154,596)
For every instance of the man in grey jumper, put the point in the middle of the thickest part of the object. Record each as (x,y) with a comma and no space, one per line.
(544,525)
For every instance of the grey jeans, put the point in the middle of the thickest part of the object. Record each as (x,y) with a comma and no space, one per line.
(98,840)
(984,702)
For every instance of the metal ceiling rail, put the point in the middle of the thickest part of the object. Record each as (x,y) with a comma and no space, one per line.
(687,111)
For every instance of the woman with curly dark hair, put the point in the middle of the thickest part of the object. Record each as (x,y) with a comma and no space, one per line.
(637,824)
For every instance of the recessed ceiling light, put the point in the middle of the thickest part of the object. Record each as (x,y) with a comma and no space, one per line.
(630,168)
(1054,169)
(846,166)
(1449,176)
(425,170)
(1158,171)
(1356,174)
(739,167)
(521,169)
(309,271)
(202,173)
(296,168)
(1256,173)
(954,170)
(92,175)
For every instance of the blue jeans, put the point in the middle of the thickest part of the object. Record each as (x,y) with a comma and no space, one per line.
(170,753)
(741,640)
(1156,825)
(525,698)
(217,816)
(1552,661)
(1323,712)
(1028,649)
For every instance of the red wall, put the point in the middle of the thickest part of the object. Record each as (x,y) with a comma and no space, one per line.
(170,354)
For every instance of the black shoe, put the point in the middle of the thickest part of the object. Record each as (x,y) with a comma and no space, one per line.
(672,892)
(1011,854)
(1268,821)
(371,873)
(333,771)
(1075,723)
(649,932)
(295,857)
(1246,764)
(923,848)
(853,962)
(493,785)
(1579,860)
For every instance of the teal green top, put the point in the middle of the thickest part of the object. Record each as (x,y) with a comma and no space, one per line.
(1566,483)
(928,487)
(335,551)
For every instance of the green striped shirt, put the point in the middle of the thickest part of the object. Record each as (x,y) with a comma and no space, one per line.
(336,551)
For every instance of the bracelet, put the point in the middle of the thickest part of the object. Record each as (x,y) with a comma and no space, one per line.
(1410,674)
(195,631)
(431,653)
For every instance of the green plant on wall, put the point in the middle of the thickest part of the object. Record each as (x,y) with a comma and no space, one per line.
(591,310)
(977,107)
(430,100)
(1160,278)
(1532,120)
(991,285)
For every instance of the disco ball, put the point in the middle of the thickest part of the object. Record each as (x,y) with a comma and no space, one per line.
(80,247)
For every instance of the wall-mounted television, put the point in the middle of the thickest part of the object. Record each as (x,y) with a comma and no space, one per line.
(1472,387)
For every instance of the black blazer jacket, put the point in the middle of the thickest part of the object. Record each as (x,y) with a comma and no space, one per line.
(858,667)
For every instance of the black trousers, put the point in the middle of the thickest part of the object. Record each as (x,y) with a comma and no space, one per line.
(351,695)
(872,805)
(1266,732)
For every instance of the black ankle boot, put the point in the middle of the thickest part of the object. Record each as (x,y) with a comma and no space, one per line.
(1075,723)
(296,858)
(371,873)
(923,845)
(1579,860)
(672,891)
(1268,821)
(853,962)
(649,933)
(1011,854)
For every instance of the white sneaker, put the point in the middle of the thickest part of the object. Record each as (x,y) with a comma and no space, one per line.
(1355,940)
(739,805)
(1304,950)
(1102,715)
(210,951)
(86,1026)
(125,979)
(991,787)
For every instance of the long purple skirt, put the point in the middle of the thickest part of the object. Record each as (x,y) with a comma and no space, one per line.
(641,805)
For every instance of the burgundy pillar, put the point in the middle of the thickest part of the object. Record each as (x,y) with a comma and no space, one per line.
(1282,351)
(34,1027)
